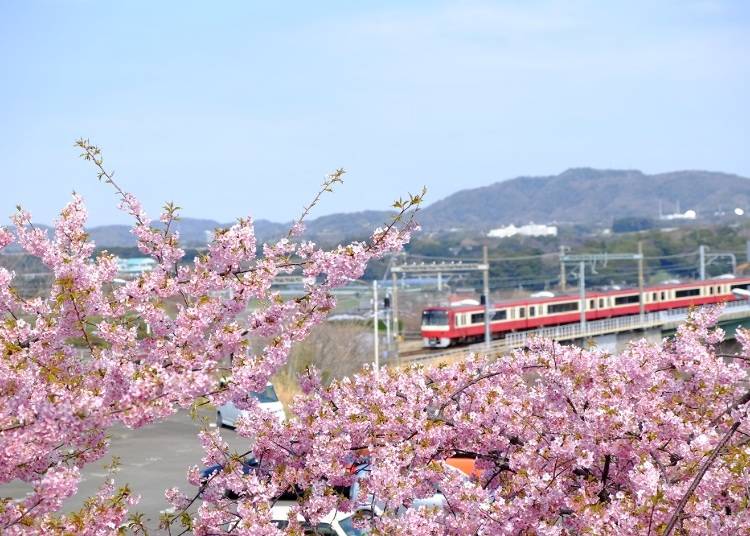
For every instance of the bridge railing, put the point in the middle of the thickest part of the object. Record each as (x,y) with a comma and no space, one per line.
(613,325)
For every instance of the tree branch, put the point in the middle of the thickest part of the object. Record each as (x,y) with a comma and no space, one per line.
(697,480)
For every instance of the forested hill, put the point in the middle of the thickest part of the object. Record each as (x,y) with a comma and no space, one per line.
(588,196)
(328,229)
(579,196)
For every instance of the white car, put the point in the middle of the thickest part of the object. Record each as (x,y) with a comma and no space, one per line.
(334,524)
(228,414)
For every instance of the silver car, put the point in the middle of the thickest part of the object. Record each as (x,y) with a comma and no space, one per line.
(228,414)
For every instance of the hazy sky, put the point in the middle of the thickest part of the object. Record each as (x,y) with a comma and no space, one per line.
(237,108)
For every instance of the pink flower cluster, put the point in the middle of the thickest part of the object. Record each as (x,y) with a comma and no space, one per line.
(74,363)
(561,441)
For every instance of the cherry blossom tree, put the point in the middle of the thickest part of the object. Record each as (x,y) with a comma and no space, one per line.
(57,405)
(654,440)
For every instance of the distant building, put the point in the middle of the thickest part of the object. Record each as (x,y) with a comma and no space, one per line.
(134,267)
(677,214)
(532,229)
(687,215)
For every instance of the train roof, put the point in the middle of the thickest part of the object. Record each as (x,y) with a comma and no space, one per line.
(594,294)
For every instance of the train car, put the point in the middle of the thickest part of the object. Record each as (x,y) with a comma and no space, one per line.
(446,326)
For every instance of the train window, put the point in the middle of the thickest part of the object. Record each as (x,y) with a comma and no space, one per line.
(653,297)
(623,300)
(562,307)
(521,312)
(532,311)
(745,286)
(710,290)
(434,318)
(663,295)
(499,314)
(592,304)
(686,293)
(601,303)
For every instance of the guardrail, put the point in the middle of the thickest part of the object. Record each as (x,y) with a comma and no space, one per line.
(594,328)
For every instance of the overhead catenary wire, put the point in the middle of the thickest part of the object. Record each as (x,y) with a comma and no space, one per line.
(499,282)
(551,255)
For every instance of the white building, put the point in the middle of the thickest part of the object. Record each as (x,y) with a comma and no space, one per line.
(134,267)
(687,215)
(532,229)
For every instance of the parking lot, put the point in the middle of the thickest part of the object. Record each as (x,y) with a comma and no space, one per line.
(153,458)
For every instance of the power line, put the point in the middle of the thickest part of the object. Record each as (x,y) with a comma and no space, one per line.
(512,281)
(675,256)
(546,255)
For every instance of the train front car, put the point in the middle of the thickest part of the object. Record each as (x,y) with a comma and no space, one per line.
(436,327)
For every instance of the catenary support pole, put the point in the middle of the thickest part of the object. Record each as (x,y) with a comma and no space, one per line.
(486,290)
(582,294)
(702,262)
(563,284)
(641,297)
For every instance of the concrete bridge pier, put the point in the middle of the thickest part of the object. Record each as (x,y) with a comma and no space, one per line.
(616,342)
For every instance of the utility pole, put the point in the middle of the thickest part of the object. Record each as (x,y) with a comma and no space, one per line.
(747,251)
(582,293)
(389,342)
(702,262)
(375,326)
(486,285)
(394,307)
(563,282)
(641,300)
(440,281)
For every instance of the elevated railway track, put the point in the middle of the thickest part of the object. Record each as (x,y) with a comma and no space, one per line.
(663,320)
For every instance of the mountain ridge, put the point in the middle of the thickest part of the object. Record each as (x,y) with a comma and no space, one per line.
(587,196)
(581,195)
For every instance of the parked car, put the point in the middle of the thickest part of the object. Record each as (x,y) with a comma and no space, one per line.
(251,464)
(461,467)
(334,524)
(360,468)
(228,414)
(248,465)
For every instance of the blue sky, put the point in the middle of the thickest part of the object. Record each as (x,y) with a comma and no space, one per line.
(240,108)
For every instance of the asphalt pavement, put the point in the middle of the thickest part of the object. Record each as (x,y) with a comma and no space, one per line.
(152,459)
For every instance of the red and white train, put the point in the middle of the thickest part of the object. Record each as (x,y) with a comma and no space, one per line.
(445,326)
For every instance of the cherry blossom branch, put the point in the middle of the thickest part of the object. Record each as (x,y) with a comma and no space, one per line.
(697,480)
(327,186)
